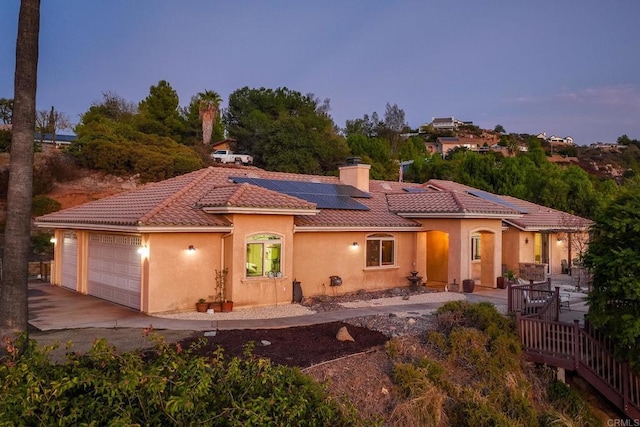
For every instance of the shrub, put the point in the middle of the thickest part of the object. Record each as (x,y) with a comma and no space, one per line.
(168,385)
(41,205)
(569,402)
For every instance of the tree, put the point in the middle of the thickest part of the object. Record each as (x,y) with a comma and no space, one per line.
(394,125)
(285,130)
(13,286)
(499,129)
(209,103)
(159,113)
(613,258)
(49,122)
(6,110)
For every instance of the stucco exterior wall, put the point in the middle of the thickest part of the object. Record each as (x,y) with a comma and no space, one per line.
(259,291)
(173,278)
(320,255)
(459,231)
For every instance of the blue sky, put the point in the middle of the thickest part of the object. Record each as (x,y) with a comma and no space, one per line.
(567,67)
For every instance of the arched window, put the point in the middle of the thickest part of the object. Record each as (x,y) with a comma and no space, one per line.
(381,250)
(264,252)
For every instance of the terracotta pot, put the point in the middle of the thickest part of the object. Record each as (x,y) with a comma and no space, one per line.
(201,307)
(227,306)
(216,306)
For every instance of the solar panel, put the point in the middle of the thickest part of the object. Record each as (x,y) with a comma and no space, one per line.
(414,190)
(324,195)
(497,199)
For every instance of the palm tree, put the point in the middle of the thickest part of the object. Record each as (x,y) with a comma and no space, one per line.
(209,105)
(13,285)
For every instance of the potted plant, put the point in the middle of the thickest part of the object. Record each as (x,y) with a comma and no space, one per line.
(202,305)
(510,277)
(221,290)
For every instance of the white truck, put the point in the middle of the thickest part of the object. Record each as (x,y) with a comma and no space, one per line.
(228,156)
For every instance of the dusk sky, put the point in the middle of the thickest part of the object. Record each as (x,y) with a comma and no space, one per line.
(567,67)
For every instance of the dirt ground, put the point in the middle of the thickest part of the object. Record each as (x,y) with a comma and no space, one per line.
(301,346)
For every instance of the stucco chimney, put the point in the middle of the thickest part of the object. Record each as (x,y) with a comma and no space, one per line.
(356,174)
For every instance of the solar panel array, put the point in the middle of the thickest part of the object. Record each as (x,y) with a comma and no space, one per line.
(324,195)
(497,199)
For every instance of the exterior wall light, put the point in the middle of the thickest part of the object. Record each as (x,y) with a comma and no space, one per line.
(53,240)
(355,244)
(143,251)
(191,248)
(526,240)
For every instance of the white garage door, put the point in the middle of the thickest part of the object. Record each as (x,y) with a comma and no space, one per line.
(70,261)
(114,269)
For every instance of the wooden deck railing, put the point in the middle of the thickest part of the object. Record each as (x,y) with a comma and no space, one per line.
(534,298)
(585,351)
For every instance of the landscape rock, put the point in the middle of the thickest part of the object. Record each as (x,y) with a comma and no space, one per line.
(344,335)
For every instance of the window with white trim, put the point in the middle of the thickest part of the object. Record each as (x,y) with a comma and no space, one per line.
(264,253)
(476,246)
(381,250)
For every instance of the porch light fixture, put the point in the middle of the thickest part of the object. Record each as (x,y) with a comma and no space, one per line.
(526,240)
(355,244)
(191,248)
(143,251)
(53,240)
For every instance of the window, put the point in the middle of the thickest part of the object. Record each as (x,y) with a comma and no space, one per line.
(380,250)
(263,255)
(476,246)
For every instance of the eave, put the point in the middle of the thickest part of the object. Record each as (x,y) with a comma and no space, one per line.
(316,228)
(136,228)
(547,228)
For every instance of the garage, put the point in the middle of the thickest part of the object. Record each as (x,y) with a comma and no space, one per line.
(114,268)
(70,260)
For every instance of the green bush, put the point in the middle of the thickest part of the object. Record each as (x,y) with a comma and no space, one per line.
(166,386)
(41,205)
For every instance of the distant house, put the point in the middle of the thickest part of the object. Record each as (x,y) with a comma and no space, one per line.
(445,144)
(225,144)
(446,123)
(57,139)
(556,140)
(157,248)
(608,146)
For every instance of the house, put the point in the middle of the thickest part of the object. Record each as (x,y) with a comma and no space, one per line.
(158,248)
(554,140)
(446,123)
(444,144)
(225,144)
(57,139)
(541,235)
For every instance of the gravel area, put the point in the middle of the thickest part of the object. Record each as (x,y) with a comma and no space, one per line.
(393,324)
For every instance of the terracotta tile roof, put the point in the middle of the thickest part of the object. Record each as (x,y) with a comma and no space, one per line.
(378,215)
(535,217)
(447,203)
(168,203)
(250,196)
(543,218)
(184,200)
